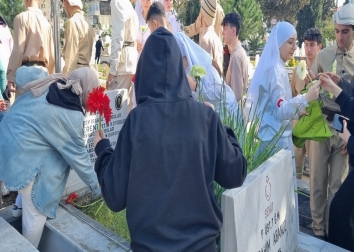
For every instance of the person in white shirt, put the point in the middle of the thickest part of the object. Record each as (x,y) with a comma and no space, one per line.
(124,54)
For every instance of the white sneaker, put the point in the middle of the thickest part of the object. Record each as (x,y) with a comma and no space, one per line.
(16,211)
(4,190)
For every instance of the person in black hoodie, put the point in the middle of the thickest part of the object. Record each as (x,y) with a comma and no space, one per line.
(169,152)
(341,213)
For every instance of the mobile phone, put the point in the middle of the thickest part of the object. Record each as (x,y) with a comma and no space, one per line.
(338,122)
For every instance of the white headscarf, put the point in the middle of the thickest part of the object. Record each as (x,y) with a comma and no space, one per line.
(270,57)
(213,89)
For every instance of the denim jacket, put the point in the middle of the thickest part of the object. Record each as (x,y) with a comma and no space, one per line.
(42,141)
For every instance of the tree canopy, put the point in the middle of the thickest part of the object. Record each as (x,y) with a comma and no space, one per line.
(9,10)
(282,9)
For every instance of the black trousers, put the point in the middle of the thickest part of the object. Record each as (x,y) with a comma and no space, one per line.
(97,56)
(341,215)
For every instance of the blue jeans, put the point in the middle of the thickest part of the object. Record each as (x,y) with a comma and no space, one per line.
(2,114)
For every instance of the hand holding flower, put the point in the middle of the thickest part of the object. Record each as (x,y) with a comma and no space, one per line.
(99,135)
(329,85)
(334,77)
(313,92)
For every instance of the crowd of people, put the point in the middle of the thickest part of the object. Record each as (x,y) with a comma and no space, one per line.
(171,148)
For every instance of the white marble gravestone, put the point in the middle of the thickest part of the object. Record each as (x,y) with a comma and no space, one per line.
(120,112)
(260,215)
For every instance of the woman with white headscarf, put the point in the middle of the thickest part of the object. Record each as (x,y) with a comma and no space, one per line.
(269,96)
(142,7)
(212,88)
(42,138)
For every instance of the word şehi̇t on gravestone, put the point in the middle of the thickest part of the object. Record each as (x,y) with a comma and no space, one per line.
(118,102)
(260,216)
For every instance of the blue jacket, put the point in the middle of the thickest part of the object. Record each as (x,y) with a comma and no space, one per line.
(42,141)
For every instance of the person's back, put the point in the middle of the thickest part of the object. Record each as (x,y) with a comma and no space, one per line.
(169,152)
(79,38)
(33,42)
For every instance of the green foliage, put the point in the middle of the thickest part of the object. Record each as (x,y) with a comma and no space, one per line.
(328,31)
(254,43)
(187,10)
(107,33)
(9,9)
(313,15)
(252,18)
(251,15)
(254,150)
(282,10)
(227,5)
(116,222)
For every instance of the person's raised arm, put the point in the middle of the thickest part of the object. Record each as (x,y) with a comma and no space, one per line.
(231,165)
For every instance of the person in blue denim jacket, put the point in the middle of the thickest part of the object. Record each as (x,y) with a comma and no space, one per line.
(2,89)
(42,136)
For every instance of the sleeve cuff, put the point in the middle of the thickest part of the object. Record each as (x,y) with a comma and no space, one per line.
(350,145)
(342,98)
(102,145)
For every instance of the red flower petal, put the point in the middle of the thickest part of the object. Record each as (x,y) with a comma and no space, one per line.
(98,101)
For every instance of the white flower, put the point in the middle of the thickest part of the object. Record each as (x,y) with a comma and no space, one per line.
(143,28)
(198,72)
(301,69)
(334,67)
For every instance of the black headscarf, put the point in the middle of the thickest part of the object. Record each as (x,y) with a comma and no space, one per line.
(160,76)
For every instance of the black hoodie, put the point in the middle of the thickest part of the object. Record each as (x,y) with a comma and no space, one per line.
(168,154)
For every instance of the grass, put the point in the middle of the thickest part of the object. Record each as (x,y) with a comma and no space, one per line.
(116,222)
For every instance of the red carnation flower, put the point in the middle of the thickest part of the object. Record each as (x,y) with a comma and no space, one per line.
(98,101)
(71,198)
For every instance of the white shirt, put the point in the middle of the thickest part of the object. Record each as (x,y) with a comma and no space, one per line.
(123,59)
(171,17)
(279,107)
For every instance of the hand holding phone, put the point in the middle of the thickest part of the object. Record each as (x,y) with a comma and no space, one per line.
(338,122)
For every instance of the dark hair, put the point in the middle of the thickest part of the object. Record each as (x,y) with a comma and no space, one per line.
(2,21)
(313,34)
(234,20)
(156,9)
(99,37)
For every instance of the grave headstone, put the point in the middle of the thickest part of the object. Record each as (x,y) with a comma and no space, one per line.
(120,112)
(260,216)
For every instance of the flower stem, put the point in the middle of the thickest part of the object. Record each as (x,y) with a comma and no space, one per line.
(100,123)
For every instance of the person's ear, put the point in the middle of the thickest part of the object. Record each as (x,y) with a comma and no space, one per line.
(234,30)
(320,46)
(155,23)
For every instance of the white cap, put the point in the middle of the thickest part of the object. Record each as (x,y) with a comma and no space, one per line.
(75,3)
(345,16)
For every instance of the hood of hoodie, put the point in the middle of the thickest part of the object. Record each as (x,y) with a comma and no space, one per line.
(160,76)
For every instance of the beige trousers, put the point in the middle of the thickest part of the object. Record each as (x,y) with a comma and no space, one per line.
(124,81)
(300,159)
(33,220)
(328,169)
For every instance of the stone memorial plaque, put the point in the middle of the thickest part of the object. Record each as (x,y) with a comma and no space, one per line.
(119,107)
(260,216)
(118,102)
